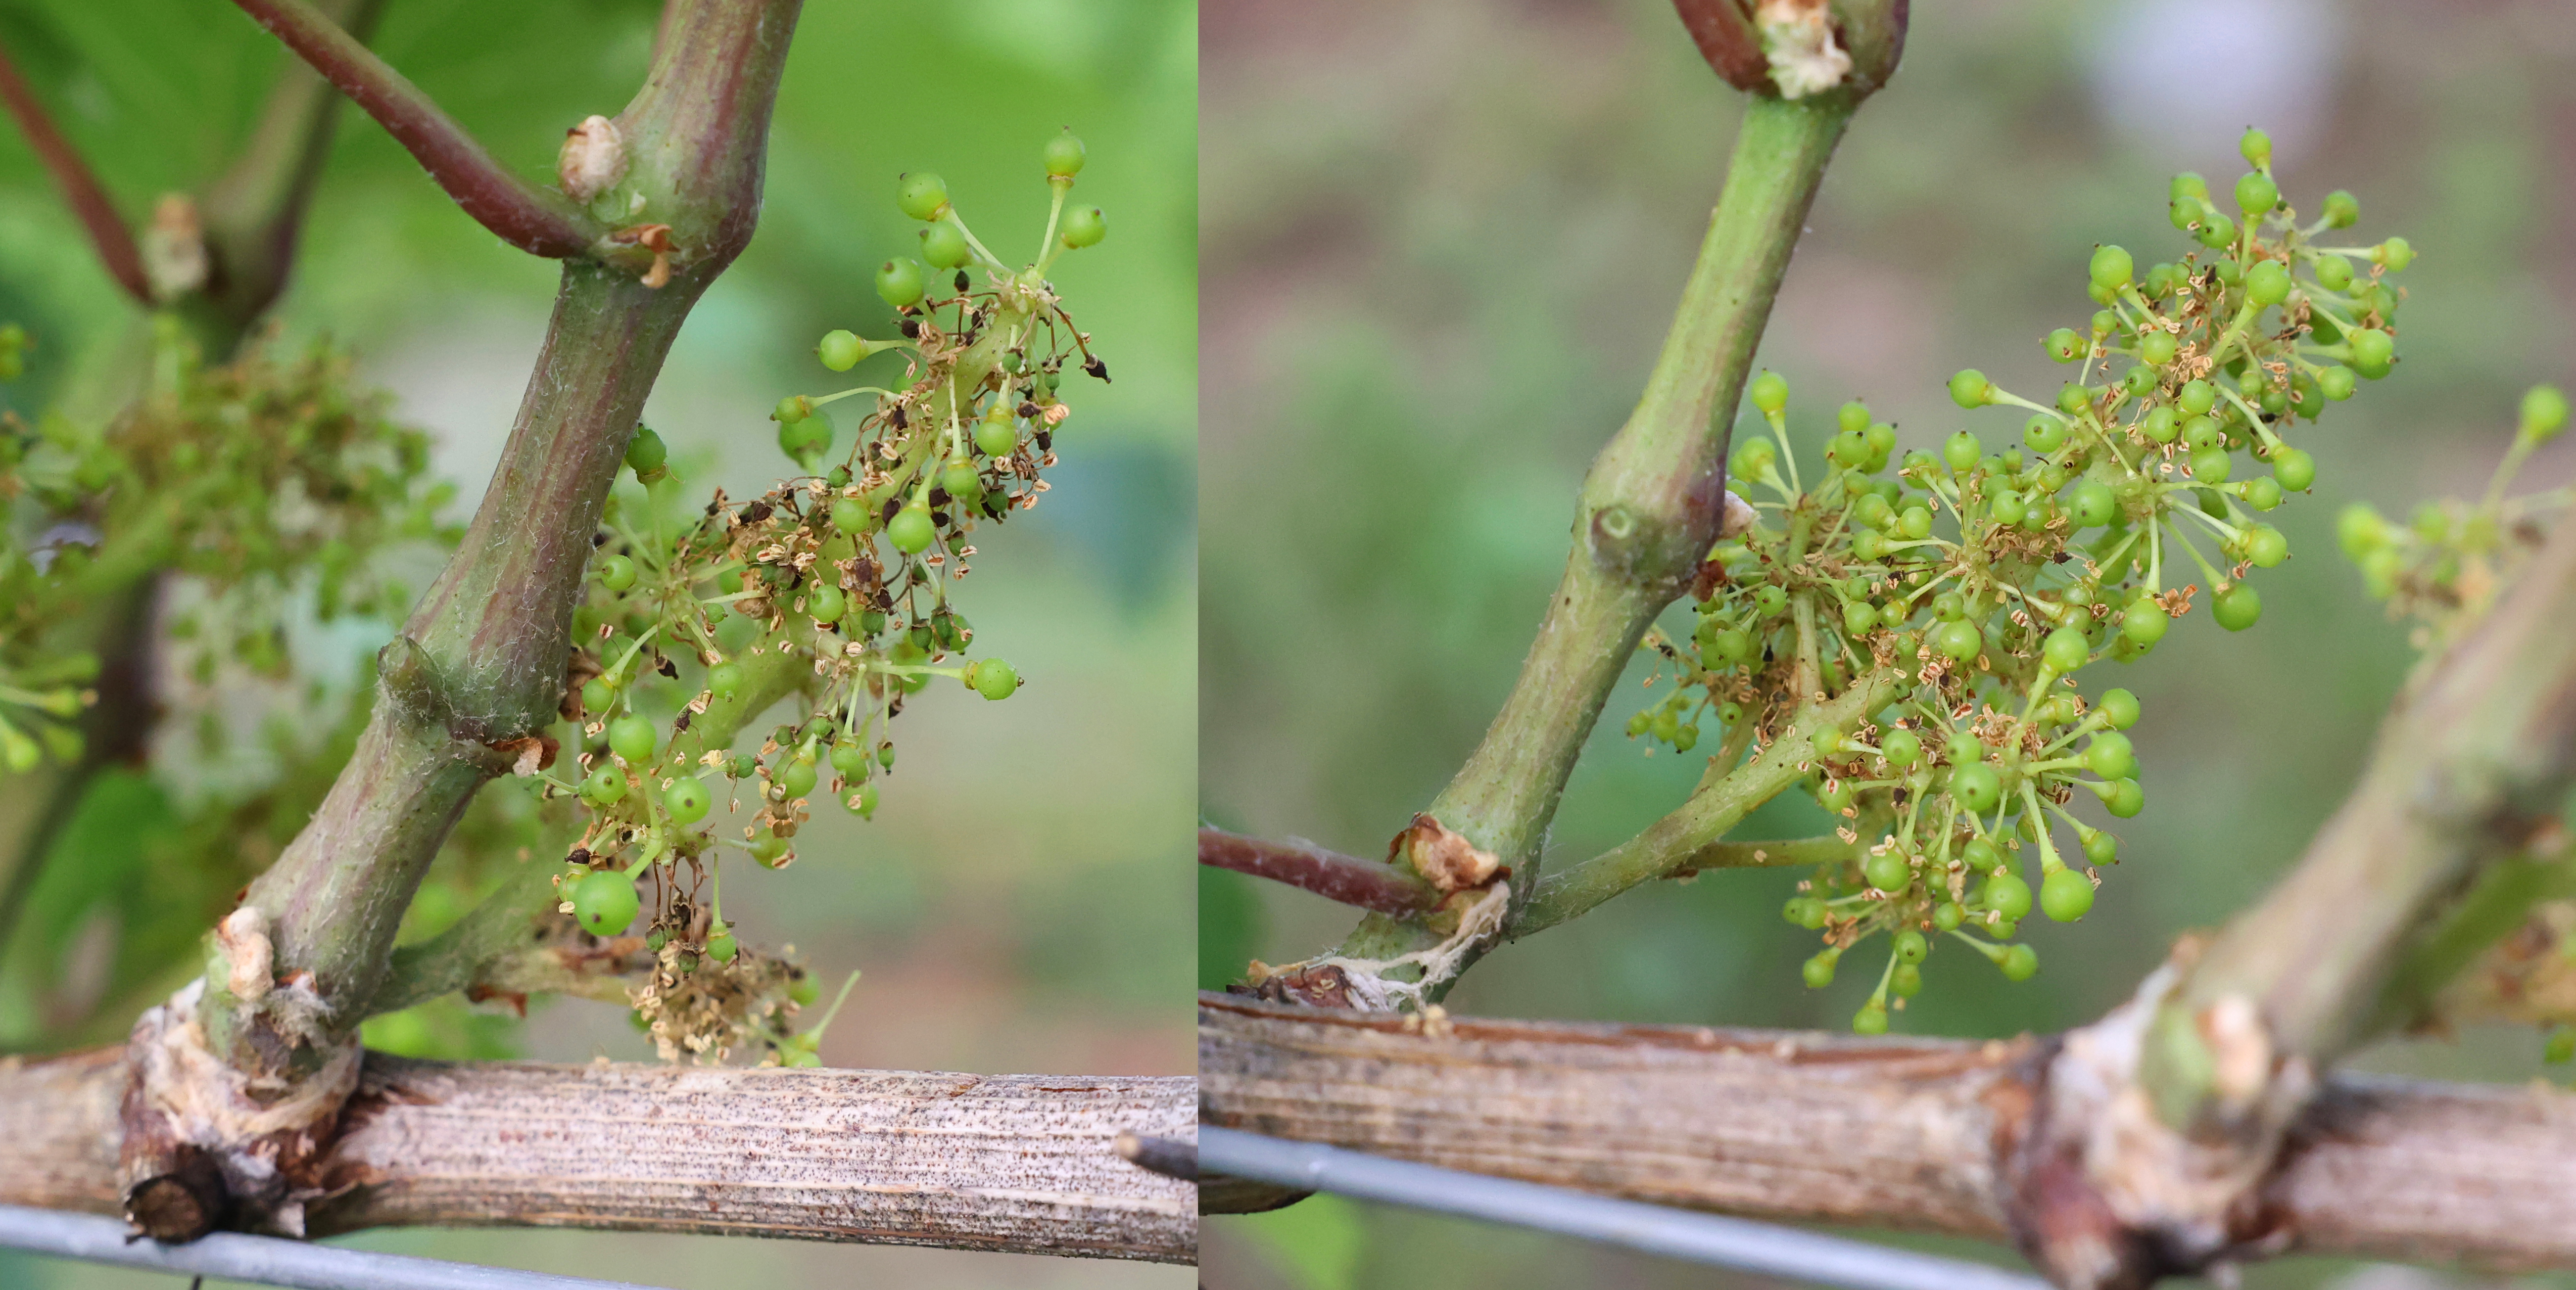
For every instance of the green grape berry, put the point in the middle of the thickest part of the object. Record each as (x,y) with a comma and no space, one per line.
(922,196)
(2342,209)
(1958,641)
(2197,397)
(1910,946)
(1971,389)
(1902,748)
(1064,156)
(2065,650)
(726,679)
(850,515)
(2256,194)
(995,436)
(1981,856)
(2120,708)
(688,801)
(1804,911)
(721,947)
(2560,1048)
(2065,895)
(2100,848)
(2019,963)
(1818,972)
(944,245)
(2237,607)
(992,678)
(1961,451)
(1084,226)
(2544,413)
(2295,469)
(597,695)
(2093,504)
(604,902)
(1770,393)
(2267,284)
(2007,896)
(606,786)
(797,777)
(1871,1019)
(2373,352)
(2110,756)
(1976,787)
(2064,345)
(2125,799)
(632,738)
(2256,148)
(617,573)
(645,453)
(2158,347)
(899,282)
(2144,621)
(1947,916)
(2210,464)
(2334,272)
(2043,434)
(1905,981)
(841,350)
(825,604)
(1888,871)
(910,530)
(2111,268)
(2266,547)
(2396,253)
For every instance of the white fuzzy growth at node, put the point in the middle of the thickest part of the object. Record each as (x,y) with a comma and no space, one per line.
(1798,39)
(249,957)
(593,158)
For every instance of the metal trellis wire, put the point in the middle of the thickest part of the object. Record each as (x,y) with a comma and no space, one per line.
(1743,1244)
(269,1260)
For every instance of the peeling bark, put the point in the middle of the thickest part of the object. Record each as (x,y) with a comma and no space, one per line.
(1931,1135)
(1025,1163)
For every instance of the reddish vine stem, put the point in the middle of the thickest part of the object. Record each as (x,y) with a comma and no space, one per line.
(81,191)
(1329,874)
(525,216)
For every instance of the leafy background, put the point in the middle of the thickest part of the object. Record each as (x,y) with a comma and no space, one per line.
(1441,243)
(1017,905)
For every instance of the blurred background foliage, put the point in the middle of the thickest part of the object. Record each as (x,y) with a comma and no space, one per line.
(1441,243)
(1017,903)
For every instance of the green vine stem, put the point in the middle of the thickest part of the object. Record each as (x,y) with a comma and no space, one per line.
(2471,767)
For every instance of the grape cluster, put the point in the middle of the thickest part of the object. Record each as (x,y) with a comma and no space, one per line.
(256,480)
(2447,563)
(1975,584)
(838,586)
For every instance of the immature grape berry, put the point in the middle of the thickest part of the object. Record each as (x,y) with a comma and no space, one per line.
(1910,946)
(2125,799)
(1977,788)
(960,479)
(1805,911)
(2158,347)
(1818,972)
(2342,209)
(1871,1019)
(1755,457)
(1961,451)
(1859,617)
(2065,651)
(606,786)
(2064,345)
(840,350)
(850,515)
(632,738)
(725,679)
(910,530)
(2266,547)
(2100,848)
(1970,389)
(922,196)
(797,777)
(617,573)
(2020,963)
(826,604)
(1981,856)
(2396,253)
(2267,284)
(2111,268)
(687,801)
(2237,607)
(995,436)
(2210,464)
(1902,748)
(2334,272)
(2110,756)
(1064,156)
(2544,413)
(2216,230)
(2065,895)
(1947,916)
(2256,148)
(944,245)
(2256,193)
(899,282)
(645,453)
(1889,872)
(863,803)
(2372,351)
(2144,621)
(2197,397)
(597,695)
(2093,504)
(1084,226)
(2295,469)
(1770,393)
(2007,895)
(2044,434)
(995,679)
(722,947)
(604,902)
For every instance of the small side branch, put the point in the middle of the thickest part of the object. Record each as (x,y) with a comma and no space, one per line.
(525,216)
(1350,880)
(81,191)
